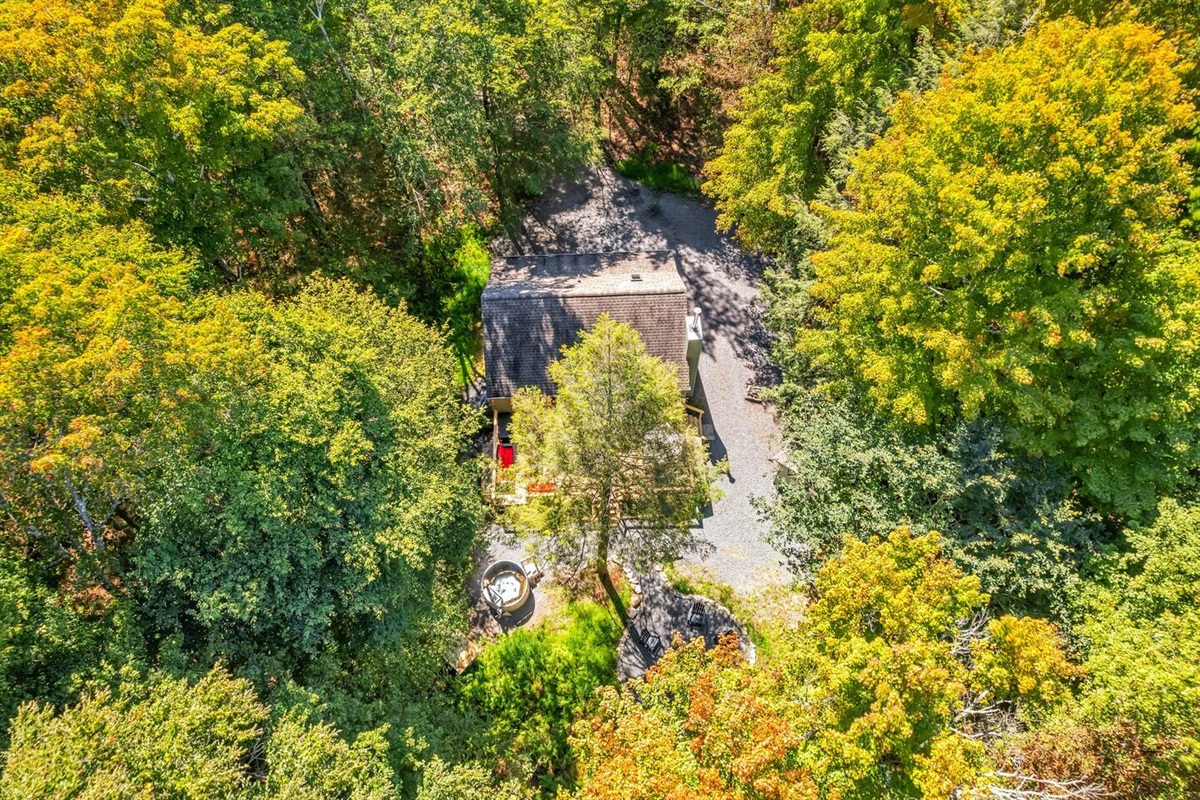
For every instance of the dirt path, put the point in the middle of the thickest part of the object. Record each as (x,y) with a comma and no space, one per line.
(605,212)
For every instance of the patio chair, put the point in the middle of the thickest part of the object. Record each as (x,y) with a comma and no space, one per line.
(697,616)
(650,640)
(533,573)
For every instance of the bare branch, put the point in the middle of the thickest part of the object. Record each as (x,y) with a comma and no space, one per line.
(1027,787)
(317,10)
(82,509)
(969,632)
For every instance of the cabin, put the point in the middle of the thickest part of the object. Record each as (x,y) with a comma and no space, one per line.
(533,306)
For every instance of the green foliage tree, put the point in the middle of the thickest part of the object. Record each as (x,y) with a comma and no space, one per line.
(311,760)
(849,474)
(104,379)
(327,502)
(1005,261)
(530,687)
(893,608)
(52,642)
(1143,660)
(1013,522)
(1177,18)
(359,139)
(1133,731)
(266,482)
(835,57)
(628,473)
(431,118)
(175,739)
(877,694)
(440,781)
(672,71)
(509,108)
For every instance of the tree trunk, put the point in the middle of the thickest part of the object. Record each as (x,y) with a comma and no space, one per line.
(602,551)
(605,536)
(602,544)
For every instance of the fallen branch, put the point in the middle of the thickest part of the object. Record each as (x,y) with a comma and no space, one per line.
(1028,787)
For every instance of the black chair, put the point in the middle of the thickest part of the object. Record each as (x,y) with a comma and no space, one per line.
(697,616)
(651,641)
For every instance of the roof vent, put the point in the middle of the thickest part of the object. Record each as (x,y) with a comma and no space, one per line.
(635,277)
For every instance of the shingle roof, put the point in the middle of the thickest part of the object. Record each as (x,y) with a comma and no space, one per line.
(533,306)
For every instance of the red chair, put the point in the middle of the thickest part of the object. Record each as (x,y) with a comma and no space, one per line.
(506,454)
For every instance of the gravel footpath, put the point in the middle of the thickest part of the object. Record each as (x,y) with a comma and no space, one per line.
(603,211)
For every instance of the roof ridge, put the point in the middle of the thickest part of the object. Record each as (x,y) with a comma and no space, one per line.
(588,253)
(519,292)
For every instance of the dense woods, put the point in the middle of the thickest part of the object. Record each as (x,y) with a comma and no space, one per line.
(242,250)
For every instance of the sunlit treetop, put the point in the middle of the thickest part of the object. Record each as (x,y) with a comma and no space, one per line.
(1012,249)
(153,114)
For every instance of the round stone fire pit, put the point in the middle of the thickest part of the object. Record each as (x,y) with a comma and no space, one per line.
(505,586)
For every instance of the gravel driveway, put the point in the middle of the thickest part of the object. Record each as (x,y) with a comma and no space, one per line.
(603,211)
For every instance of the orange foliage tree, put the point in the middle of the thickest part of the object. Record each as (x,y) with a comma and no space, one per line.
(891,684)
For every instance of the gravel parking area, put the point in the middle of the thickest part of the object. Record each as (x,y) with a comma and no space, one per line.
(602,211)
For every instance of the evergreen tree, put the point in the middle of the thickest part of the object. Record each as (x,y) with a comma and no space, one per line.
(629,475)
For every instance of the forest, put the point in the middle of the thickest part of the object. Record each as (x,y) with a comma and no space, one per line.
(242,253)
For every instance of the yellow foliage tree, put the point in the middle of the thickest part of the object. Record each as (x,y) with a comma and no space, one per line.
(1013,251)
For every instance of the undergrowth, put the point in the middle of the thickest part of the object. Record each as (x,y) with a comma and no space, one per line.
(644,167)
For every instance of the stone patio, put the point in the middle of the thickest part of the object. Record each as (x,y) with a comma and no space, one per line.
(661,613)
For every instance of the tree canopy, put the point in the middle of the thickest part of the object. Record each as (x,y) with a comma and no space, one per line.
(330,497)
(264,478)
(1012,521)
(242,499)
(183,122)
(106,379)
(836,58)
(879,691)
(1011,251)
(1144,629)
(180,739)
